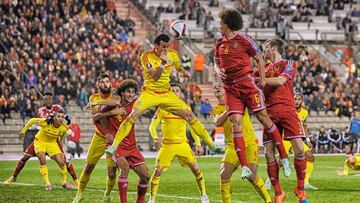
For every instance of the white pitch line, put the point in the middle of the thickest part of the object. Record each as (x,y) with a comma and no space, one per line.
(99,190)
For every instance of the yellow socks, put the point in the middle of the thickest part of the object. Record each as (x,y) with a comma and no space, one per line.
(260,188)
(63,173)
(110,182)
(200,182)
(154,185)
(309,170)
(44,172)
(84,179)
(199,129)
(123,131)
(225,191)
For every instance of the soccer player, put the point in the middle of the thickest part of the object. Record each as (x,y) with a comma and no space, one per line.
(281,108)
(98,145)
(230,162)
(157,65)
(127,155)
(232,64)
(45,141)
(174,144)
(48,109)
(303,115)
(352,162)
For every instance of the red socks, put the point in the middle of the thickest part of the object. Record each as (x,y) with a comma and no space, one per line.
(300,167)
(123,188)
(273,173)
(276,138)
(240,148)
(19,166)
(70,169)
(142,188)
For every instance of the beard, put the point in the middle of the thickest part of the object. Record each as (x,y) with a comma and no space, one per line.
(105,90)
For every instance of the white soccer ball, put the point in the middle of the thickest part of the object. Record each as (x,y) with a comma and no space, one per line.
(178,28)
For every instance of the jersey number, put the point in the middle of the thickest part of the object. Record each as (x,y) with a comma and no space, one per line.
(257,99)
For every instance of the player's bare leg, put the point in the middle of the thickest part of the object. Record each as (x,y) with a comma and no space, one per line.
(274,133)
(197,127)
(273,171)
(300,167)
(123,166)
(110,182)
(226,171)
(154,182)
(200,181)
(43,169)
(19,166)
(309,157)
(143,173)
(59,158)
(236,120)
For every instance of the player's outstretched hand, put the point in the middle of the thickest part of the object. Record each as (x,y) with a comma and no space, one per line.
(21,136)
(111,150)
(157,143)
(199,150)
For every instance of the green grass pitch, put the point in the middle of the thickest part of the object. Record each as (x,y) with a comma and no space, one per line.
(178,184)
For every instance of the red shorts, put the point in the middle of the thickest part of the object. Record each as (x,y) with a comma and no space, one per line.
(244,93)
(30,150)
(132,155)
(288,124)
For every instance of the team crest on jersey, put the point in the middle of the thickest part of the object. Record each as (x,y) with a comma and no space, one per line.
(226,50)
(149,65)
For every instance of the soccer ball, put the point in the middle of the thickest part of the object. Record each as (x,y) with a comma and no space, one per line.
(178,28)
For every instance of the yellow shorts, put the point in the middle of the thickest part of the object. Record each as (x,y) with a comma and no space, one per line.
(289,148)
(252,155)
(51,148)
(168,152)
(166,101)
(96,150)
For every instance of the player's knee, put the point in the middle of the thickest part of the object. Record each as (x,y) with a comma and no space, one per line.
(270,157)
(309,156)
(145,179)
(89,168)
(225,175)
(158,171)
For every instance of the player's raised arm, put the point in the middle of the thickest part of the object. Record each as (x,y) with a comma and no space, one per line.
(38,121)
(116,111)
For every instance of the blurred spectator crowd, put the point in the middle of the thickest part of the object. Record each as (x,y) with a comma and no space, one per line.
(61,47)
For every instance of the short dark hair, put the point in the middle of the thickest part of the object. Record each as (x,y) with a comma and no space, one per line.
(175,84)
(60,111)
(125,84)
(161,37)
(277,43)
(48,94)
(102,76)
(232,18)
(299,94)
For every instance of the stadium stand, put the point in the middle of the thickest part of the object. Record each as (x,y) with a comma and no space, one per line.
(63,47)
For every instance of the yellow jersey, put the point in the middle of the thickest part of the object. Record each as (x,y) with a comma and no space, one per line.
(173,128)
(248,130)
(355,166)
(95,98)
(150,61)
(48,132)
(303,114)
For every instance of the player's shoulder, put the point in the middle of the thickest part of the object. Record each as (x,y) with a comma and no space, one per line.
(287,63)
(245,37)
(56,107)
(173,51)
(220,40)
(94,96)
(146,54)
(304,110)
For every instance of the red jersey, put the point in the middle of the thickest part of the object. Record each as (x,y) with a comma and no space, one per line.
(114,124)
(280,98)
(44,112)
(76,132)
(233,55)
